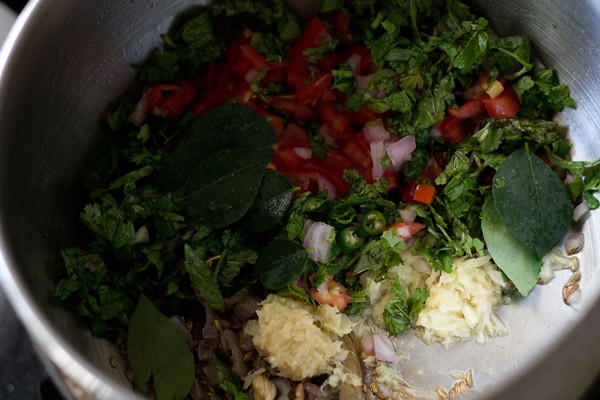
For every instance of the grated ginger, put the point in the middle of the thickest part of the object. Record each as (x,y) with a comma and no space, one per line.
(301,341)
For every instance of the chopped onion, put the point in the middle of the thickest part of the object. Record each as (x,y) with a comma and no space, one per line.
(138,116)
(375,131)
(250,75)
(324,183)
(354,62)
(141,236)
(367,343)
(384,348)
(404,232)
(303,152)
(317,240)
(324,133)
(408,214)
(362,82)
(377,153)
(401,151)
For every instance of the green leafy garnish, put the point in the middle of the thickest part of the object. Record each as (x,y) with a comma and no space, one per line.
(531,201)
(159,356)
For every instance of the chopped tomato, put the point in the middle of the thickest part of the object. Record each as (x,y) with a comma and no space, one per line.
(424,193)
(286,158)
(257,61)
(332,175)
(505,105)
(358,149)
(276,122)
(405,230)
(311,38)
(292,107)
(363,115)
(431,171)
(309,90)
(407,194)
(338,159)
(337,122)
(294,136)
(392,178)
(451,129)
(468,109)
(341,26)
(178,100)
(332,293)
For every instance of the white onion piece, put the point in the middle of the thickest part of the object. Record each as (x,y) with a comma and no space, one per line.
(401,151)
(408,215)
(375,131)
(362,82)
(377,153)
(138,116)
(324,183)
(404,232)
(384,348)
(303,152)
(354,62)
(250,75)
(141,236)
(324,133)
(317,240)
(367,343)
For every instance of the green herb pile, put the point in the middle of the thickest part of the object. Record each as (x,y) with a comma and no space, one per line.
(186,210)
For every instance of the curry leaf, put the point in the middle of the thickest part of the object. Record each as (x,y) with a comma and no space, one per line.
(158,350)
(271,203)
(279,263)
(518,262)
(223,187)
(225,127)
(532,202)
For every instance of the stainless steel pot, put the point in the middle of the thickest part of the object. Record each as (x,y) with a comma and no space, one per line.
(65,60)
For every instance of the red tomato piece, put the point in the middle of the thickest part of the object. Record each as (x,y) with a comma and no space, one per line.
(256,60)
(506,105)
(468,109)
(431,171)
(451,129)
(336,121)
(292,107)
(311,38)
(363,115)
(294,136)
(177,101)
(338,159)
(341,26)
(424,193)
(359,150)
(286,159)
(406,230)
(392,178)
(332,175)
(332,293)
(408,192)
(309,90)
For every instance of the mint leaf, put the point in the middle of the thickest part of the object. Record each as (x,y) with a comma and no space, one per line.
(519,262)
(531,201)
(279,263)
(158,350)
(203,279)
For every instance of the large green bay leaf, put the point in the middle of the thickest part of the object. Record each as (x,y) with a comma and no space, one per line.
(225,127)
(157,349)
(279,263)
(518,261)
(531,201)
(222,188)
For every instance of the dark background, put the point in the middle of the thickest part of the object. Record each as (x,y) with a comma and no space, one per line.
(22,376)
